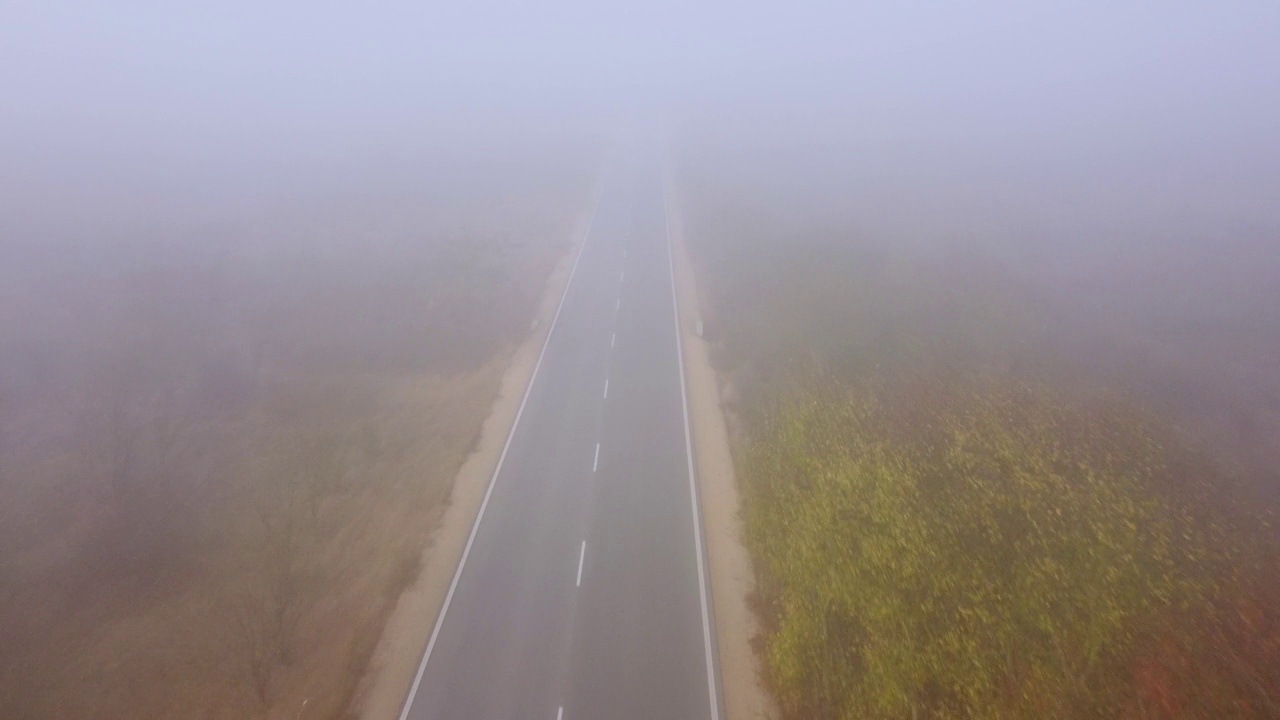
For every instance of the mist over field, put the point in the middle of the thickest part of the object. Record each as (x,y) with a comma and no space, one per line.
(262,267)
(1115,167)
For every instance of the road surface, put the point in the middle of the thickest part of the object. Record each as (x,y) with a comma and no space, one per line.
(582,591)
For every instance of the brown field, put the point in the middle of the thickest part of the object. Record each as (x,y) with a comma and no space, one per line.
(223,458)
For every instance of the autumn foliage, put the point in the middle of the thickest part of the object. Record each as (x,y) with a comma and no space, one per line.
(994,552)
(965,501)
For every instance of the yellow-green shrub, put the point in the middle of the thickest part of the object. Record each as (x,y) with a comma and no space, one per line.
(989,552)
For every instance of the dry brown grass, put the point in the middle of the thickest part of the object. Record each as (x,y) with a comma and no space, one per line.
(180,648)
(218,476)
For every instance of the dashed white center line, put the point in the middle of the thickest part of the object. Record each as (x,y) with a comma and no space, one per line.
(618,305)
(613,340)
(560,713)
(606,388)
(582,555)
(622,276)
(596,463)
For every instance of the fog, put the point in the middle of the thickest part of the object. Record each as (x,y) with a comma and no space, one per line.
(1130,109)
(238,236)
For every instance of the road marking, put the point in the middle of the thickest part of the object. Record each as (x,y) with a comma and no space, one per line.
(613,340)
(560,713)
(624,253)
(466,550)
(712,692)
(606,388)
(582,555)
(622,276)
(595,463)
(617,305)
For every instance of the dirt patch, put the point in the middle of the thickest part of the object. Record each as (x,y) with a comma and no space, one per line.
(732,579)
(399,653)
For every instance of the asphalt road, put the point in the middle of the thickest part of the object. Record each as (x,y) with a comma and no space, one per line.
(582,590)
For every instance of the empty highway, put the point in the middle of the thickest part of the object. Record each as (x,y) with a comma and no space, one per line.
(582,591)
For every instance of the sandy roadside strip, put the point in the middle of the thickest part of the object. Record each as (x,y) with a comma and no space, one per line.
(399,652)
(732,579)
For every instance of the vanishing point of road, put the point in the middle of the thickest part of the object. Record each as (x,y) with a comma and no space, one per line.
(582,592)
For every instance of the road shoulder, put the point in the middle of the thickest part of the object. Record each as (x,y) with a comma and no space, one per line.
(731,576)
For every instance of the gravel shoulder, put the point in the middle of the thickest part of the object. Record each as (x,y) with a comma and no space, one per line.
(731,575)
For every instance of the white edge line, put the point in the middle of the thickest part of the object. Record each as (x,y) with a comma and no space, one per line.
(582,555)
(596,463)
(712,691)
(448,598)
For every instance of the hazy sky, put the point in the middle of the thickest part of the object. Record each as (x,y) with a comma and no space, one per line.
(92,87)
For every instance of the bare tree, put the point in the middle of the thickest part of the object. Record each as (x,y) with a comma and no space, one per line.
(282,547)
(143,449)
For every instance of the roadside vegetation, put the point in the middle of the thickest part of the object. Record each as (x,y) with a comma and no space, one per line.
(965,499)
(224,448)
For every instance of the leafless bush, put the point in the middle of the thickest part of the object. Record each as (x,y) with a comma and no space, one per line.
(265,613)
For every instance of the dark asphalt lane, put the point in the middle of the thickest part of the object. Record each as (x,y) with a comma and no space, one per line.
(540,625)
